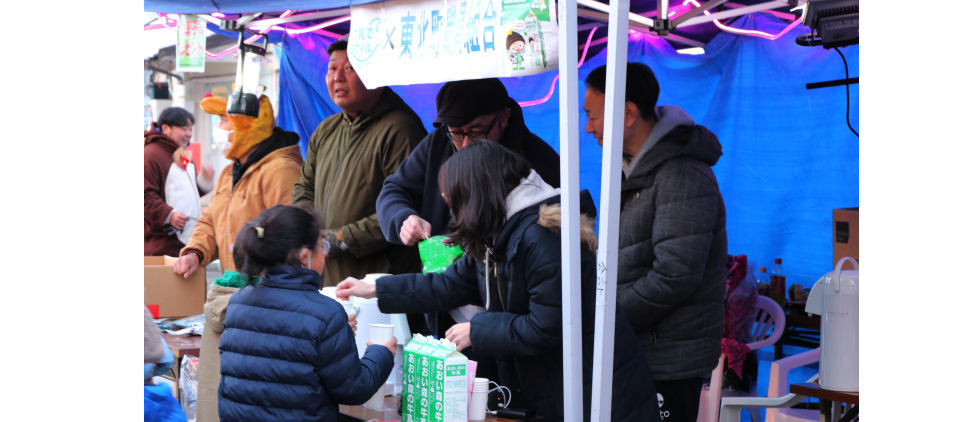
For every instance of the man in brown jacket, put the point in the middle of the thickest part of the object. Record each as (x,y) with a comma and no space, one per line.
(349,156)
(266,165)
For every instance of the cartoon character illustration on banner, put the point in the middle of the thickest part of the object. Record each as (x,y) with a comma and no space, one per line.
(515,46)
(525,38)
(532,30)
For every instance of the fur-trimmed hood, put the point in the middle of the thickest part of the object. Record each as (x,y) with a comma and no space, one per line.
(550,218)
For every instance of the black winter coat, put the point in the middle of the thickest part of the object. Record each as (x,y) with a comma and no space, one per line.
(672,251)
(414,188)
(523,325)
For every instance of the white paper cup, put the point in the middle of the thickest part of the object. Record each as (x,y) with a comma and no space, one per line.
(371,278)
(377,401)
(478,405)
(381,333)
(348,307)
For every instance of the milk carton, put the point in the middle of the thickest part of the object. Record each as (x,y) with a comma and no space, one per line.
(434,381)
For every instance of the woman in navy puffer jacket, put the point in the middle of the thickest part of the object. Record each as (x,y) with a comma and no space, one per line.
(288,353)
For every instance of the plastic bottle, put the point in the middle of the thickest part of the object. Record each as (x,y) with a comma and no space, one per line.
(750,272)
(763,280)
(777,283)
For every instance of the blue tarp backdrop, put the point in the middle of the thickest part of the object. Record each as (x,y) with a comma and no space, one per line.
(789,157)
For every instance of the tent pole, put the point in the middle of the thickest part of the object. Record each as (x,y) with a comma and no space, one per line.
(608,254)
(571,251)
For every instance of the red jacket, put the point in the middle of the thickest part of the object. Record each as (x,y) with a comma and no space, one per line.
(166,186)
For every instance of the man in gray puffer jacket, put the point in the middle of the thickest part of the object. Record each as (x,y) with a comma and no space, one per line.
(672,238)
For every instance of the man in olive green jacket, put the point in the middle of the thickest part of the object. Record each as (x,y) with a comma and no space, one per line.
(350,154)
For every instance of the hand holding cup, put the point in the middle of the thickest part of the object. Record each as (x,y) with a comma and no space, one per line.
(354,287)
(352,321)
(382,334)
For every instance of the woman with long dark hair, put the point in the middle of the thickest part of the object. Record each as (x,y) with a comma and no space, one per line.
(508,222)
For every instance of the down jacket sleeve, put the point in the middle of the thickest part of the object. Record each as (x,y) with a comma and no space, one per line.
(418,293)
(538,331)
(347,379)
(686,211)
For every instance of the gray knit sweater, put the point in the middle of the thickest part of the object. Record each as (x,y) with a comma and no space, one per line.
(152,348)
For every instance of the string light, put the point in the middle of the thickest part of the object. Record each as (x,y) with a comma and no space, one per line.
(292,31)
(749,32)
(544,99)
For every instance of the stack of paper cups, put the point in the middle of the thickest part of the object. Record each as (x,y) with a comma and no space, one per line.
(377,401)
(478,401)
(380,333)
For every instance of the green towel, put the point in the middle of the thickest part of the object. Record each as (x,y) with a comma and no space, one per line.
(234,279)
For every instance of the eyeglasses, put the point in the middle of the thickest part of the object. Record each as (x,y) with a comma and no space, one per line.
(324,244)
(475,134)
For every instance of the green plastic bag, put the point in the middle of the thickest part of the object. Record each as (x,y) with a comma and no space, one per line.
(436,256)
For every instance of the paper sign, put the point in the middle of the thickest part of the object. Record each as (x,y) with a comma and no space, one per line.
(432,41)
(190,44)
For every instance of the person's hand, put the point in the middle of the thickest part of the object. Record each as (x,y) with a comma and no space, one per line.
(178,220)
(187,265)
(459,334)
(354,287)
(414,230)
(390,344)
(207,171)
(352,321)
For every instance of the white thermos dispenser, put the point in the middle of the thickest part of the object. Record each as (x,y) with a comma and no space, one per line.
(835,298)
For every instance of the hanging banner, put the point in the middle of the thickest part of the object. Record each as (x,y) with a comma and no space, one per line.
(190,43)
(404,42)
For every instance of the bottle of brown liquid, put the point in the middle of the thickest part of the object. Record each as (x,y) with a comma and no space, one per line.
(763,282)
(777,283)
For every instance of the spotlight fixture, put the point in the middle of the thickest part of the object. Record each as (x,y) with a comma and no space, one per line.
(833,23)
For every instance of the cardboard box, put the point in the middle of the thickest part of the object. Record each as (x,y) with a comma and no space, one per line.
(175,295)
(433,382)
(845,236)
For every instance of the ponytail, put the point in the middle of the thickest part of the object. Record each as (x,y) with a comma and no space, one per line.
(275,237)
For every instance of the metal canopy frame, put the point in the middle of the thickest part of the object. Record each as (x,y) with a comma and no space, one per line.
(571,251)
(646,22)
(707,5)
(619,19)
(591,9)
(741,10)
(636,22)
(248,20)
